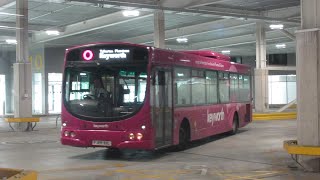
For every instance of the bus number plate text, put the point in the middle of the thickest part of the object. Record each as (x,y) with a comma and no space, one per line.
(101,143)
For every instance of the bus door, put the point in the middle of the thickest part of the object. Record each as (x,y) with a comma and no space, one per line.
(162,106)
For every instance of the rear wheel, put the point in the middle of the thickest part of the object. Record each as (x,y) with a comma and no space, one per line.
(235,125)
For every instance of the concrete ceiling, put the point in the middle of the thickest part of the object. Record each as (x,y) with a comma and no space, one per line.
(208,24)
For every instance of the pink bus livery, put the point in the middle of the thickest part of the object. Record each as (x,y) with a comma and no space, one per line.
(129,96)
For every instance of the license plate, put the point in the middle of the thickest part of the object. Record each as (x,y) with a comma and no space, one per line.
(101,143)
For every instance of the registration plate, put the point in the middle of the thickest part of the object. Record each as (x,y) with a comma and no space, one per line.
(101,143)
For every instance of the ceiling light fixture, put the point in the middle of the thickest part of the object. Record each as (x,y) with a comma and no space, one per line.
(131,13)
(9,14)
(276,26)
(281,46)
(182,40)
(53,32)
(225,52)
(11,41)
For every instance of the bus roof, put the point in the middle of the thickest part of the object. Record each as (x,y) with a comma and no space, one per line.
(194,58)
(107,43)
(204,53)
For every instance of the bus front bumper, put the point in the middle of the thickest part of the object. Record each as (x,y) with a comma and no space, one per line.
(101,138)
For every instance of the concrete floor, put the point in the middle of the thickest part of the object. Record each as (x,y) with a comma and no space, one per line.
(255,153)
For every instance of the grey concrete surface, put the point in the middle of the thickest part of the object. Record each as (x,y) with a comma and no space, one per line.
(255,153)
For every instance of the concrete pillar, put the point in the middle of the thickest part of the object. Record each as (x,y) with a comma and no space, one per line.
(22,68)
(261,72)
(159,29)
(308,81)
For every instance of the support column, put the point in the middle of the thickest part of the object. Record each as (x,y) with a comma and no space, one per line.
(159,29)
(22,68)
(308,81)
(261,72)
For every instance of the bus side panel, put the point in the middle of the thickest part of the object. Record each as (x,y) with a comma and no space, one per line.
(204,120)
(209,120)
(244,114)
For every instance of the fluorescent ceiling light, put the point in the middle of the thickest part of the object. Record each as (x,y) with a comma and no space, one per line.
(281,46)
(276,26)
(131,13)
(9,14)
(53,32)
(11,41)
(225,52)
(7,27)
(182,40)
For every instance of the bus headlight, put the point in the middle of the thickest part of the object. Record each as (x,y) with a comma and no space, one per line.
(72,134)
(139,136)
(131,136)
(66,133)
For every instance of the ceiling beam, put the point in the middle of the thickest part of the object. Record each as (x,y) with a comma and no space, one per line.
(257,16)
(213,30)
(203,10)
(32,27)
(193,30)
(89,25)
(241,43)
(287,12)
(6,3)
(271,47)
(282,5)
(203,3)
(230,41)
(288,34)
(8,33)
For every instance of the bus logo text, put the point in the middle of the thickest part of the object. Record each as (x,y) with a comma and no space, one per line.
(215,117)
(210,64)
(100,126)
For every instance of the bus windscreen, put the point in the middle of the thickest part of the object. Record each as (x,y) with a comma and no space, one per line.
(105,93)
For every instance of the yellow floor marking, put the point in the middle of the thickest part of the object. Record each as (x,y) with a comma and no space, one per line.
(252,177)
(147,174)
(84,168)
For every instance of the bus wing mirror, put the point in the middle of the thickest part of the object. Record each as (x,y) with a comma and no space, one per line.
(126,91)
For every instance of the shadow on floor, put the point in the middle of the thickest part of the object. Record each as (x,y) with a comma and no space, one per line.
(141,155)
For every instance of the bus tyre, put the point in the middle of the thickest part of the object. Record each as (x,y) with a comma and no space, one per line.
(184,136)
(235,125)
(114,152)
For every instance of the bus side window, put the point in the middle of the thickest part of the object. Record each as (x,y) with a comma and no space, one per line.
(161,78)
(224,87)
(183,86)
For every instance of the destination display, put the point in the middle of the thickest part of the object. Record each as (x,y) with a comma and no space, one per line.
(108,54)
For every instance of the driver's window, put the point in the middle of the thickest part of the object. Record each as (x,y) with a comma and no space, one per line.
(80,85)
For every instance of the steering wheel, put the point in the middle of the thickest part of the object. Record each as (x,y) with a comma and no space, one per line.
(88,96)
